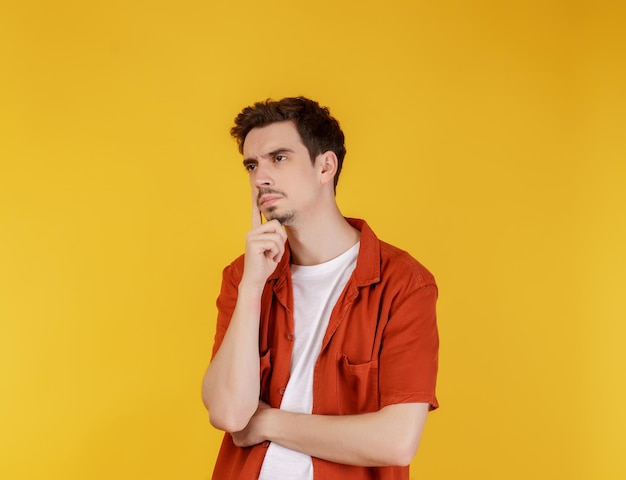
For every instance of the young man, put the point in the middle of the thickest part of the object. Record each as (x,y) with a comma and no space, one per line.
(325,354)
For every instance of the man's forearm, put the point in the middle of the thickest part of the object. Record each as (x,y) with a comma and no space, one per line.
(389,437)
(230,389)
(231,384)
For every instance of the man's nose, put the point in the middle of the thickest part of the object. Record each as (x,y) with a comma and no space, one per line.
(262,177)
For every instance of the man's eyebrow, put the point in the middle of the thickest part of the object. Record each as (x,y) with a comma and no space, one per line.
(280,150)
(252,161)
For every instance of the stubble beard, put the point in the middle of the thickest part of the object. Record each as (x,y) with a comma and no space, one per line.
(284,218)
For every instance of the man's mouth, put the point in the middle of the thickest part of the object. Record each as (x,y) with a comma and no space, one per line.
(266,201)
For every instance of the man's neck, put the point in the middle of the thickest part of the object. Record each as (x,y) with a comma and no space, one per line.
(321,238)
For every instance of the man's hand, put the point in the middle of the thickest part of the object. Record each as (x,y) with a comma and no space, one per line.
(253,433)
(265,246)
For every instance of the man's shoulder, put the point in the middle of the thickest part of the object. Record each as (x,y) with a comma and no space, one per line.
(234,268)
(399,264)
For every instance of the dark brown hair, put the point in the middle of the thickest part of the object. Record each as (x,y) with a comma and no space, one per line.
(319,131)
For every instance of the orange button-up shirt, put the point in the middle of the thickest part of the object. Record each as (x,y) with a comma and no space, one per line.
(380,348)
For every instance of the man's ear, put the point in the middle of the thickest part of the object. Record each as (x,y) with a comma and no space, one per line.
(328,163)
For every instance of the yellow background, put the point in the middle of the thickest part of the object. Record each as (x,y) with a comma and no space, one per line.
(485,137)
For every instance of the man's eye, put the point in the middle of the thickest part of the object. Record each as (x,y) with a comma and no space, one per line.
(250,167)
(280,158)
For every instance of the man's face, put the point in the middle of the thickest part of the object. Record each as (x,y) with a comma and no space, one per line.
(283,179)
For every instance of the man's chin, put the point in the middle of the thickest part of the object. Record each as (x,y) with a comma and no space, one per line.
(284,218)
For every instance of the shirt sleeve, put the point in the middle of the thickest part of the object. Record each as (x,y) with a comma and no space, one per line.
(409,357)
(226,301)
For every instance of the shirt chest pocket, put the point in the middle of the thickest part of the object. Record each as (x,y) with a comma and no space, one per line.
(357,386)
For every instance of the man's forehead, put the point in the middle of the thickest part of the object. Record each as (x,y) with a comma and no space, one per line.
(261,141)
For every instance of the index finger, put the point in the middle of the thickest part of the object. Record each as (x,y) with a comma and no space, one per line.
(256,213)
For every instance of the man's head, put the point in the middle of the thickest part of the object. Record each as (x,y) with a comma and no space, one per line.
(318,130)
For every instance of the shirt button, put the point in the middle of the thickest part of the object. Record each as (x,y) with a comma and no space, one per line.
(290,337)
(281,390)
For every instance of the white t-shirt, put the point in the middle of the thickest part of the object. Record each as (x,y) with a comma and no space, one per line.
(316,289)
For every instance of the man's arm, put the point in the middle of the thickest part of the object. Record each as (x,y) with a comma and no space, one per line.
(230,389)
(388,437)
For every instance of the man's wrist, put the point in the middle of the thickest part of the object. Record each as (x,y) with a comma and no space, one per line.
(251,292)
(275,423)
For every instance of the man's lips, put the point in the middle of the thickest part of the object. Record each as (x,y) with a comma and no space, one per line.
(268,200)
